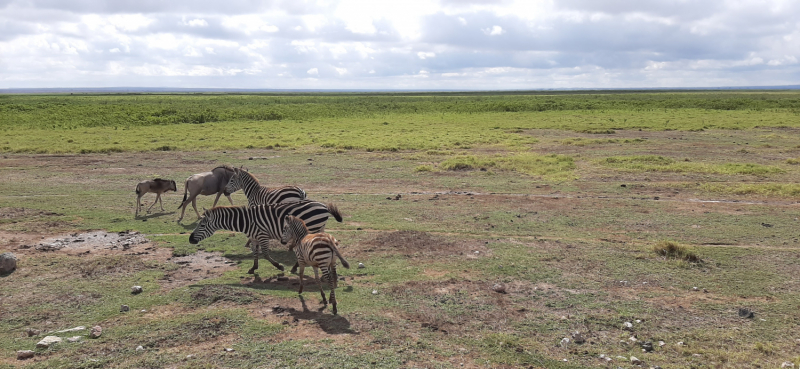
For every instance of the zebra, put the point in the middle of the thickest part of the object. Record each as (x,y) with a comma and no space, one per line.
(316,250)
(262,223)
(261,195)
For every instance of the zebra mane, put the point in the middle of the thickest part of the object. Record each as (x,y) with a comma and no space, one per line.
(296,227)
(242,172)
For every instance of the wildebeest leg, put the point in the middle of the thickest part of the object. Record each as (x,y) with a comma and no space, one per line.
(138,203)
(158,197)
(161,202)
(194,205)
(229,199)
(217,199)
(321,291)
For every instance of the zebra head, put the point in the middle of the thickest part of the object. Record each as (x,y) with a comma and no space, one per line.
(205,228)
(294,229)
(235,183)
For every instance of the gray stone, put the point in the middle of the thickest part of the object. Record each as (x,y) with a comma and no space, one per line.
(636,361)
(627,325)
(361,266)
(96,332)
(48,341)
(124,308)
(136,290)
(647,346)
(24,354)
(499,288)
(74,339)
(787,364)
(577,337)
(564,342)
(139,348)
(72,329)
(8,262)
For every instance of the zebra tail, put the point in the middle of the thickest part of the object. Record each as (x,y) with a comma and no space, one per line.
(335,212)
(339,255)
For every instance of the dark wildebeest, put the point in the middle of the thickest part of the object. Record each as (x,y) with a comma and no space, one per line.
(156,186)
(207,183)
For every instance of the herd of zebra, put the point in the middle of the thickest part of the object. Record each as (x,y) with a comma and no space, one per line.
(282,213)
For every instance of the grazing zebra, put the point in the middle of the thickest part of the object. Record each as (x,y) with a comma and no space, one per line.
(262,223)
(262,195)
(316,250)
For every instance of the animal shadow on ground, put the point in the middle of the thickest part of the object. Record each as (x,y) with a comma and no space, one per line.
(331,324)
(154,215)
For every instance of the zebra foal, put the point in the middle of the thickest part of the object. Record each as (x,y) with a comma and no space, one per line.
(316,250)
(262,223)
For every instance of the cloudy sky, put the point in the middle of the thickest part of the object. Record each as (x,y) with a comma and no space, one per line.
(408,44)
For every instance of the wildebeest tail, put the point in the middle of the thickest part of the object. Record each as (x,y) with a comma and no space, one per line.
(335,212)
(138,190)
(185,192)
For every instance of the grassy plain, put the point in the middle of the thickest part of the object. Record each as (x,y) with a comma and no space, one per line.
(578,204)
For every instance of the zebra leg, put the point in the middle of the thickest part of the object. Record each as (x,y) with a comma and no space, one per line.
(332,282)
(294,268)
(266,255)
(255,249)
(319,282)
(301,279)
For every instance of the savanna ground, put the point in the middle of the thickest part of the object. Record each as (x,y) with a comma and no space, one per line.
(562,199)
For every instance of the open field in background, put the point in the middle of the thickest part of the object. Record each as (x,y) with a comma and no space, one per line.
(568,207)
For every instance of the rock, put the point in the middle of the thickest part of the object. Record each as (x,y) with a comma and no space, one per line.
(8,262)
(564,342)
(139,348)
(638,321)
(627,325)
(24,354)
(633,339)
(32,332)
(374,292)
(680,343)
(695,289)
(96,332)
(661,343)
(361,266)
(636,361)
(124,308)
(48,341)
(74,339)
(136,290)
(647,346)
(229,350)
(746,313)
(786,364)
(577,337)
(80,328)
(499,288)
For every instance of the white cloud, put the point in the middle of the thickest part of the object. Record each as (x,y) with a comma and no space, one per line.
(426,55)
(494,31)
(313,71)
(197,23)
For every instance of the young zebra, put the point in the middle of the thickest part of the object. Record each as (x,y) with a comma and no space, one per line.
(262,195)
(316,250)
(262,223)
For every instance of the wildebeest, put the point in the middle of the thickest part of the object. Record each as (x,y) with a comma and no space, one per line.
(156,186)
(207,183)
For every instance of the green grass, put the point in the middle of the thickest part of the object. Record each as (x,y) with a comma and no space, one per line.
(652,163)
(553,166)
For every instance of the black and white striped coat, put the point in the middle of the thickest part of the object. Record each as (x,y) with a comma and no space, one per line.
(263,222)
(317,250)
(262,195)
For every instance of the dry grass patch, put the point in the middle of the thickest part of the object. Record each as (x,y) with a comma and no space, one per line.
(673,250)
(423,243)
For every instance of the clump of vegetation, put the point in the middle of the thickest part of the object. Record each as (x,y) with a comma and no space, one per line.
(529,163)
(793,161)
(653,163)
(423,168)
(673,250)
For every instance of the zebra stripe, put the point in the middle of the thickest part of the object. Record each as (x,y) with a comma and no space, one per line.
(263,222)
(261,195)
(316,250)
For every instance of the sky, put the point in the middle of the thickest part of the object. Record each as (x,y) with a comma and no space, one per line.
(408,44)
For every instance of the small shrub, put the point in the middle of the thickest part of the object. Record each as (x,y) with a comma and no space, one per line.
(423,168)
(669,249)
(794,161)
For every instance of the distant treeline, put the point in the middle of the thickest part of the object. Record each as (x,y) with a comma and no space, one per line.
(107,110)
